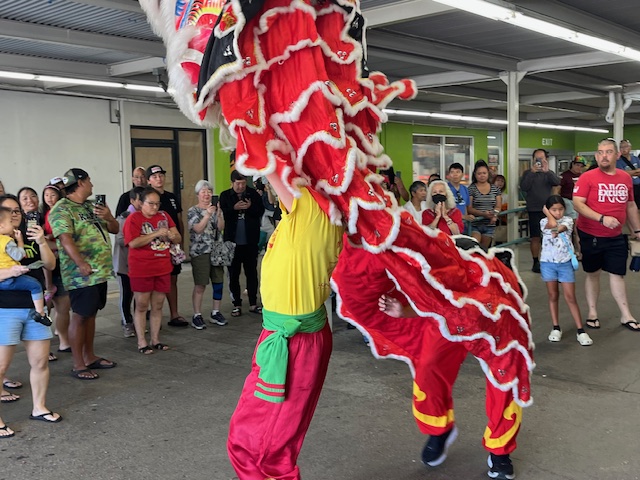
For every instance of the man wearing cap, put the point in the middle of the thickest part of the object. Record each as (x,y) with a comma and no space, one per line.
(568,180)
(139,179)
(170,204)
(82,233)
(242,208)
(537,183)
(630,164)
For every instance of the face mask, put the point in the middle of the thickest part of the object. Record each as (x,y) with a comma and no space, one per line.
(439,198)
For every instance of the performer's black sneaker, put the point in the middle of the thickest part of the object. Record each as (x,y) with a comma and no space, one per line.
(500,467)
(435,450)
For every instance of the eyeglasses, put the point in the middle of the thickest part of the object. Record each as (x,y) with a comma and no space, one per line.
(15,212)
(153,204)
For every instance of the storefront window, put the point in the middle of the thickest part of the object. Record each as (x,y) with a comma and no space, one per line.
(434,154)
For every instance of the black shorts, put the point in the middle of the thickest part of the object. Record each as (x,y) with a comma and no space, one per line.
(636,194)
(88,300)
(176,270)
(534,224)
(604,253)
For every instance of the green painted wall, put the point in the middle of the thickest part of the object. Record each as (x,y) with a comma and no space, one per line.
(533,138)
(219,165)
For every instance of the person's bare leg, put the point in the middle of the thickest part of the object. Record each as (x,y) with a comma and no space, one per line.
(89,335)
(76,340)
(155,319)
(140,316)
(485,241)
(592,291)
(569,291)
(62,309)
(172,297)
(619,292)
(196,298)
(6,355)
(552,292)
(535,247)
(38,355)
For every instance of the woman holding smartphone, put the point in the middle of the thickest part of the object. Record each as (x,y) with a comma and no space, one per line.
(206,223)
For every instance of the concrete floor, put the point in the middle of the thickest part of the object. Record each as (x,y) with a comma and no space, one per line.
(166,415)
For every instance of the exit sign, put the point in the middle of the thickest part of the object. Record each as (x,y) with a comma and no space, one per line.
(547,142)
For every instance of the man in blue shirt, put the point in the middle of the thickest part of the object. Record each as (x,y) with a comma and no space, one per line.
(460,193)
(630,164)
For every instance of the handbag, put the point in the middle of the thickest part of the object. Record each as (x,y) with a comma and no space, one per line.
(222,252)
(574,259)
(634,247)
(177,254)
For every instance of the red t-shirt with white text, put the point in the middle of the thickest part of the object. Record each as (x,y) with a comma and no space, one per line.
(152,259)
(606,194)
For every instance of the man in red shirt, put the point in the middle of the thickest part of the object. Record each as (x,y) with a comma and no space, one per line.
(603,198)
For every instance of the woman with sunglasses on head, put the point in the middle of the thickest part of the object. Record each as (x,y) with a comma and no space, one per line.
(16,309)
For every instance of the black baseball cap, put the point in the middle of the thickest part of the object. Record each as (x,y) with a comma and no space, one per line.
(73,175)
(155,169)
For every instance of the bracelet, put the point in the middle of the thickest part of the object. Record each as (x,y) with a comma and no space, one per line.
(601,219)
(449,222)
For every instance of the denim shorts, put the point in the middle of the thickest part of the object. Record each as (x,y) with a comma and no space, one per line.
(484,229)
(560,272)
(16,325)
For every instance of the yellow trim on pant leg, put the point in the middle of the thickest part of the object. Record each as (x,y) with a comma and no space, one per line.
(512,412)
(430,420)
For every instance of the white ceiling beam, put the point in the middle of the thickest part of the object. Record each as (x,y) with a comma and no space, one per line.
(50,67)
(556,97)
(15,29)
(473,105)
(569,62)
(135,67)
(553,115)
(399,12)
(449,78)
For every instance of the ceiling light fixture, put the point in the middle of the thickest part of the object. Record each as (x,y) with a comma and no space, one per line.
(78,81)
(469,119)
(17,76)
(144,88)
(509,15)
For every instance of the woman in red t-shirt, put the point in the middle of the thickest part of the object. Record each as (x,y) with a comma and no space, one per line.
(149,234)
(441,212)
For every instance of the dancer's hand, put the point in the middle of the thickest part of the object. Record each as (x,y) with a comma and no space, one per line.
(390,306)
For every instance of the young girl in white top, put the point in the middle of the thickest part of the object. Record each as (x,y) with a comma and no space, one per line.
(555,266)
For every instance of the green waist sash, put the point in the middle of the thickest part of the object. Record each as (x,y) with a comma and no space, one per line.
(272,354)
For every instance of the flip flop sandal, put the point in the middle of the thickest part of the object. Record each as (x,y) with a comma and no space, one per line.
(146,350)
(236,312)
(9,398)
(592,323)
(11,384)
(5,428)
(257,310)
(43,417)
(84,374)
(52,357)
(102,364)
(161,346)
(635,328)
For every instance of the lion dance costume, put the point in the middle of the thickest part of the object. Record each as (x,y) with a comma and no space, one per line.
(287,81)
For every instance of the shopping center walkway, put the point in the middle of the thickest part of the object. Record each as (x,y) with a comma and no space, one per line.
(165,416)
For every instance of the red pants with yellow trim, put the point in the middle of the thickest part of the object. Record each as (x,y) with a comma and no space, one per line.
(265,438)
(436,373)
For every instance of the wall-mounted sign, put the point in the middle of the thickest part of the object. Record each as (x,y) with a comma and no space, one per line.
(547,142)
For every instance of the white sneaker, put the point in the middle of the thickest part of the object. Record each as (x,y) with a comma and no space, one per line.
(584,339)
(556,335)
